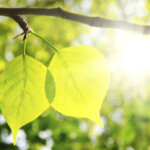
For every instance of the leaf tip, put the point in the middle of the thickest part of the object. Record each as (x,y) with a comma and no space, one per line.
(14,133)
(99,122)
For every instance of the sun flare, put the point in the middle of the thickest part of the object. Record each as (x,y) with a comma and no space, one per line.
(136,56)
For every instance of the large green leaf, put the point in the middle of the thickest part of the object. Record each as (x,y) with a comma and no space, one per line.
(22,92)
(81,78)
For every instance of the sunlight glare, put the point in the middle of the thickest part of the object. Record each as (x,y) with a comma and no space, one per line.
(136,56)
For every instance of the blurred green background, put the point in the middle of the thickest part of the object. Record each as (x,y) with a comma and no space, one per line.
(125,112)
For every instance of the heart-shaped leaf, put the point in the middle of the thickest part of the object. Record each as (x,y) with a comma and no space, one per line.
(22,92)
(81,78)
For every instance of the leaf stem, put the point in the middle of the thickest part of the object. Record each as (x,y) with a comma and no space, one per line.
(24,49)
(44,40)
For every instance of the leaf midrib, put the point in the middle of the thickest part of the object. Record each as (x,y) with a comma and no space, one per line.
(23,87)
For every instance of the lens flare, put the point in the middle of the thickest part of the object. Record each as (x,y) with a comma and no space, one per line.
(136,56)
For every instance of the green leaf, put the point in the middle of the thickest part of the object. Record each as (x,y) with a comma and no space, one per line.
(49,87)
(22,92)
(81,78)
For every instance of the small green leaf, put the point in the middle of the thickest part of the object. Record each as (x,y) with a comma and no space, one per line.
(49,87)
(22,92)
(81,78)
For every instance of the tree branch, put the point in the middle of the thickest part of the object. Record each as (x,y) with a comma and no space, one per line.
(92,21)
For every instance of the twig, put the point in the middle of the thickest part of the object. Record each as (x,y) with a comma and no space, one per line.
(23,24)
(92,21)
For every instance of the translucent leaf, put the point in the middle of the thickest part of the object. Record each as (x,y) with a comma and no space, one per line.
(49,87)
(81,78)
(22,92)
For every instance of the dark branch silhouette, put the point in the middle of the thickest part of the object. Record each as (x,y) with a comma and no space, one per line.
(92,21)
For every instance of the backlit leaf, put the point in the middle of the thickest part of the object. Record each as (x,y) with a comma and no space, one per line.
(22,92)
(81,78)
(49,87)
